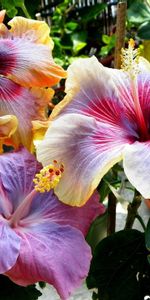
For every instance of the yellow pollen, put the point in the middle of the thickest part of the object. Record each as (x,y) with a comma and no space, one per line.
(130,59)
(49,177)
(131,43)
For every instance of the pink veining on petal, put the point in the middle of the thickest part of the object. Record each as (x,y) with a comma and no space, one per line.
(44,256)
(8,56)
(47,206)
(9,90)
(6,207)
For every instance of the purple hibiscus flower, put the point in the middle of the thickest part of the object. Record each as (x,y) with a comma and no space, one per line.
(41,239)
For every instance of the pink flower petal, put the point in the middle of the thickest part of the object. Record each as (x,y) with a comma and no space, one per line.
(105,94)
(28,63)
(52,253)
(136,164)
(9,247)
(92,91)
(15,100)
(88,150)
(46,206)
(26,53)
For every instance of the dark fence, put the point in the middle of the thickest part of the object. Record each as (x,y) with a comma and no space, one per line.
(108,17)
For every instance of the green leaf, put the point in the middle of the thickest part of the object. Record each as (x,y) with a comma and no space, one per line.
(119,267)
(104,50)
(89,13)
(103,189)
(18,3)
(106,38)
(79,41)
(12,5)
(144,31)
(116,194)
(12,12)
(11,291)
(110,41)
(97,231)
(138,12)
(147,235)
(71,26)
(59,61)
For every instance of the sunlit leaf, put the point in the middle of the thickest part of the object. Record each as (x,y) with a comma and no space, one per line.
(138,12)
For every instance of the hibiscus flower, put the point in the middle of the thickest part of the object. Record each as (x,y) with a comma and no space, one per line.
(41,238)
(26,68)
(105,117)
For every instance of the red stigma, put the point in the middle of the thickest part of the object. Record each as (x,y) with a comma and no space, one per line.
(57,172)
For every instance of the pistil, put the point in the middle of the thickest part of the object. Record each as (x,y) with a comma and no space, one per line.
(23,209)
(130,64)
(47,179)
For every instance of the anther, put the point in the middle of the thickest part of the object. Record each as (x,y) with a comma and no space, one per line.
(48,178)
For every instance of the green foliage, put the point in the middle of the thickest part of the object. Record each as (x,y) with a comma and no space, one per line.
(79,41)
(139,12)
(139,16)
(71,31)
(89,13)
(110,44)
(144,31)
(119,267)
(147,236)
(12,7)
(11,291)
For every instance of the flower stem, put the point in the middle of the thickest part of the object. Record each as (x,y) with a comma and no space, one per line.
(24,9)
(132,211)
(111,211)
(138,217)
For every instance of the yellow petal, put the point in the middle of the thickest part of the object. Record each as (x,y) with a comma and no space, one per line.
(36,31)
(8,126)
(2,15)
(39,129)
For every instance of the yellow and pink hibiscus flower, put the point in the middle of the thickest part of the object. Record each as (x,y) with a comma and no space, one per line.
(27,69)
(104,118)
(42,237)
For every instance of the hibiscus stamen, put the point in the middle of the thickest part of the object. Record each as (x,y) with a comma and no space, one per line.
(130,59)
(130,64)
(49,177)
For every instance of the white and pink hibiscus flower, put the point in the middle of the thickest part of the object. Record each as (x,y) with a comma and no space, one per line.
(104,118)
(42,239)
(26,69)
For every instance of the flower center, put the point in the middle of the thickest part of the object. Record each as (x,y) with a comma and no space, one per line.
(47,179)
(130,64)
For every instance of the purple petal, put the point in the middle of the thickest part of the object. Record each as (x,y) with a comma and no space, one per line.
(9,247)
(46,206)
(55,254)
(17,170)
